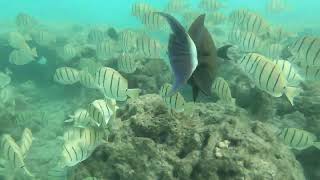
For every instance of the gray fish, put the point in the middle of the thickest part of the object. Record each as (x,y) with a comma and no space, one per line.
(182,53)
(207,56)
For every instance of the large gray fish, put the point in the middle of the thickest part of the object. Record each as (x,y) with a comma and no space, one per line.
(182,53)
(207,56)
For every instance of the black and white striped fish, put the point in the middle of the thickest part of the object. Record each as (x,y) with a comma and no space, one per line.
(210,5)
(114,85)
(175,102)
(268,76)
(105,49)
(81,118)
(140,9)
(66,75)
(127,40)
(249,42)
(254,23)
(12,153)
(91,137)
(73,152)
(87,80)
(127,63)
(96,35)
(291,74)
(150,48)
(221,88)
(68,51)
(298,138)
(307,49)
(26,141)
(273,50)
(101,112)
(153,21)
(310,73)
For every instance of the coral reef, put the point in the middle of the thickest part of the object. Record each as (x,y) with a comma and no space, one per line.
(212,142)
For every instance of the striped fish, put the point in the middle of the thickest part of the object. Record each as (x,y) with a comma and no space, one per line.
(96,35)
(114,85)
(150,48)
(237,16)
(308,50)
(43,38)
(73,152)
(273,50)
(105,49)
(254,23)
(175,102)
(25,22)
(140,9)
(289,72)
(268,76)
(297,138)
(101,112)
(66,75)
(22,56)
(68,52)
(128,40)
(81,118)
(234,36)
(90,137)
(210,5)
(86,79)
(17,41)
(12,153)
(310,73)
(215,18)
(154,21)
(26,141)
(249,42)
(221,88)
(175,6)
(279,35)
(127,63)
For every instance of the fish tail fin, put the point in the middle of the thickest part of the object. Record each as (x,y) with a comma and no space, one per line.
(223,52)
(317,145)
(69,120)
(34,52)
(27,172)
(133,93)
(291,93)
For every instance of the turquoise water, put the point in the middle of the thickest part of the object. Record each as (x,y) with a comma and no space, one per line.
(86,91)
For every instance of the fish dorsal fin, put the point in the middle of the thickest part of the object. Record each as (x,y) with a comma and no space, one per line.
(223,52)
(182,53)
(196,29)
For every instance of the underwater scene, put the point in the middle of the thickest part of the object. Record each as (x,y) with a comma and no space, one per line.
(159,90)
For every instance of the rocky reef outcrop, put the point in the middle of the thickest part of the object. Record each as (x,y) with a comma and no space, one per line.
(214,141)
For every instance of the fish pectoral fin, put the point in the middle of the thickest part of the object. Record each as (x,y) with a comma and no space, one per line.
(133,93)
(222,52)
(291,93)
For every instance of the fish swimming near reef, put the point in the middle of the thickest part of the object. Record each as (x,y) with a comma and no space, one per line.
(298,138)
(207,56)
(182,53)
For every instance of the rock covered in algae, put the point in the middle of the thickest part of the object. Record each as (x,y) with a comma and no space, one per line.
(214,142)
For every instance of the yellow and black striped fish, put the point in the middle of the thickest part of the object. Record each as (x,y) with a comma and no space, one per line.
(114,85)
(127,40)
(175,102)
(68,51)
(153,21)
(140,9)
(210,5)
(268,76)
(249,42)
(96,35)
(297,138)
(273,50)
(221,88)
(66,75)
